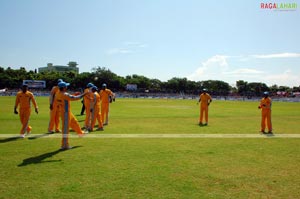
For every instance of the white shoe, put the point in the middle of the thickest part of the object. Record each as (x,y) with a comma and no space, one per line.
(22,136)
(81,135)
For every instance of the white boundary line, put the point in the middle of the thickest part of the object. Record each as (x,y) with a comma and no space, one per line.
(93,135)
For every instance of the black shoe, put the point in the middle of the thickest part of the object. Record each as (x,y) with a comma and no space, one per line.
(100,129)
(66,148)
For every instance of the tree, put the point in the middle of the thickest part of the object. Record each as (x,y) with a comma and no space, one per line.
(242,87)
(284,88)
(12,78)
(296,89)
(142,82)
(82,80)
(274,88)
(155,85)
(173,85)
(257,88)
(103,75)
(191,87)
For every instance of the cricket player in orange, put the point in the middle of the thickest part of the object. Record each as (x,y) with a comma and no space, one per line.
(24,98)
(54,110)
(88,100)
(265,106)
(204,99)
(106,96)
(68,120)
(96,110)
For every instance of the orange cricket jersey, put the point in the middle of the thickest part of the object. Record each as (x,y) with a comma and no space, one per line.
(24,100)
(53,92)
(265,103)
(205,99)
(97,96)
(87,99)
(104,95)
(63,99)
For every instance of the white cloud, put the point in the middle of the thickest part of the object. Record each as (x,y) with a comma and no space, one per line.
(135,44)
(212,67)
(216,60)
(228,69)
(244,71)
(130,43)
(279,55)
(119,51)
(287,78)
(128,47)
(217,67)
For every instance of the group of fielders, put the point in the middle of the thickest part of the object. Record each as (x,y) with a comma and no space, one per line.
(96,105)
(96,102)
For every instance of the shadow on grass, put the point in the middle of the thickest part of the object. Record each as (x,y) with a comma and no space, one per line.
(268,134)
(39,136)
(41,158)
(10,139)
(202,125)
(32,137)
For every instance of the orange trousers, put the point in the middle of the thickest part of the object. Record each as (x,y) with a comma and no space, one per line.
(96,116)
(54,119)
(266,118)
(203,111)
(24,118)
(104,112)
(69,121)
(88,116)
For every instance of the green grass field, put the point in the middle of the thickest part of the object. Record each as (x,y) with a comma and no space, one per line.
(154,167)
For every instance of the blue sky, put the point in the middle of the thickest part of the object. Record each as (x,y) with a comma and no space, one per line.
(199,40)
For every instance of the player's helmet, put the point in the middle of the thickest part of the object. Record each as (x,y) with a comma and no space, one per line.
(59,80)
(94,88)
(63,84)
(204,90)
(104,85)
(89,85)
(266,93)
(24,86)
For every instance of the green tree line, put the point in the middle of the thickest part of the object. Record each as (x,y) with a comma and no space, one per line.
(13,78)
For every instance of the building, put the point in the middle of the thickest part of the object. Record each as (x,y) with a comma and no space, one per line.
(60,69)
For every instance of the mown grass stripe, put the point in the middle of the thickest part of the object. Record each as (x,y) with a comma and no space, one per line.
(35,136)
